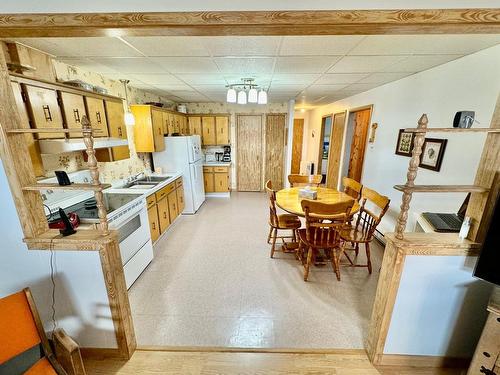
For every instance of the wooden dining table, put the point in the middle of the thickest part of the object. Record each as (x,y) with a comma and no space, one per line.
(289,201)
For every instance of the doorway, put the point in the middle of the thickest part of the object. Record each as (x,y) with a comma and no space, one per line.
(298,136)
(249,152)
(335,154)
(355,142)
(324,146)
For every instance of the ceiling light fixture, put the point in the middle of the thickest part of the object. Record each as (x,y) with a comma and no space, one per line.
(247,92)
(128,116)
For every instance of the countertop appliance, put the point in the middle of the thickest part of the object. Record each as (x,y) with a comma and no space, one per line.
(183,154)
(226,157)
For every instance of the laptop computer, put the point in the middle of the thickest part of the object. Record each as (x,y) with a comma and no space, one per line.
(447,223)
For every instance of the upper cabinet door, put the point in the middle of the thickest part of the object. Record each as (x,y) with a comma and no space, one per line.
(171,123)
(73,108)
(97,116)
(44,109)
(195,125)
(117,128)
(185,128)
(208,126)
(159,141)
(222,128)
(165,122)
(177,124)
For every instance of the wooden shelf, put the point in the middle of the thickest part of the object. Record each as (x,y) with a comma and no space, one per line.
(453,130)
(442,188)
(38,187)
(83,240)
(43,130)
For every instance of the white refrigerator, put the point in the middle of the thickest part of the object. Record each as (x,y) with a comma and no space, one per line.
(183,154)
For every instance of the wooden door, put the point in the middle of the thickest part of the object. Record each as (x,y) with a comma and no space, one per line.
(222,130)
(171,123)
(180,199)
(154,225)
(221,182)
(208,129)
(172,205)
(97,116)
(358,145)
(208,180)
(44,109)
(249,152)
(298,136)
(117,127)
(73,108)
(275,149)
(163,214)
(335,153)
(195,125)
(157,120)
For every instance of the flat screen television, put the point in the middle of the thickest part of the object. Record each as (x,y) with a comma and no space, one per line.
(488,264)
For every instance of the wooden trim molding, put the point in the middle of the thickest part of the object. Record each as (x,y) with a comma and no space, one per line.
(423,361)
(339,22)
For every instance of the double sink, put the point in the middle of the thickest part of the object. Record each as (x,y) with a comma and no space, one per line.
(147,182)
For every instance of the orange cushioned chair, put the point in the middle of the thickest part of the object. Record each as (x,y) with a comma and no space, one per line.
(24,348)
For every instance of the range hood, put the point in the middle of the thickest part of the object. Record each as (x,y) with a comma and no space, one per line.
(57,146)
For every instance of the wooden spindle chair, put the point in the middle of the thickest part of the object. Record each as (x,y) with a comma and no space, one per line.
(279,222)
(363,230)
(352,187)
(297,180)
(321,232)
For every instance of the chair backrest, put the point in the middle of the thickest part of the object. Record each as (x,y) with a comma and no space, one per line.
(368,220)
(352,187)
(322,220)
(22,338)
(303,180)
(273,216)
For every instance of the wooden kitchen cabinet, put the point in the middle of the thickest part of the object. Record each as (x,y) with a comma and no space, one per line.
(221,179)
(222,130)
(97,116)
(148,129)
(154,225)
(208,130)
(117,127)
(171,123)
(172,205)
(44,109)
(163,214)
(180,199)
(208,179)
(195,125)
(73,108)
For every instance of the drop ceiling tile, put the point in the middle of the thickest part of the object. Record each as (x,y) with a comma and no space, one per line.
(316,64)
(210,88)
(418,63)
(339,78)
(158,79)
(361,86)
(244,66)
(130,65)
(364,64)
(242,45)
(318,45)
(424,44)
(324,89)
(88,47)
(186,64)
(169,45)
(283,87)
(171,88)
(202,79)
(381,78)
(260,79)
(295,78)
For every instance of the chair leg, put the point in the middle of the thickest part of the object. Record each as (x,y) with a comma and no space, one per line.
(356,248)
(336,262)
(369,262)
(308,263)
(269,235)
(274,235)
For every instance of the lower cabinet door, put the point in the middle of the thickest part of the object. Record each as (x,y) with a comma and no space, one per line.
(172,205)
(180,199)
(221,181)
(163,215)
(154,225)
(208,179)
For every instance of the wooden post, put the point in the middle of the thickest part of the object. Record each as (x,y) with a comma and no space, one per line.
(94,172)
(410,176)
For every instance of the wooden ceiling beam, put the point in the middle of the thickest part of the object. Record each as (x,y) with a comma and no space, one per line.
(341,22)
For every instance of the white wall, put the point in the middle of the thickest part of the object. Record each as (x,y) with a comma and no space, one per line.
(469,83)
(82,306)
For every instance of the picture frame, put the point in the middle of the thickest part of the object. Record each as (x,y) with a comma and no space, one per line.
(432,153)
(404,145)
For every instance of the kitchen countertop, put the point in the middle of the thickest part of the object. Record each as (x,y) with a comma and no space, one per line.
(173,176)
(216,163)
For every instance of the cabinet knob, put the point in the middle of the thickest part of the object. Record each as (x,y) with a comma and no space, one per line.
(46,112)
(98,116)
(153,225)
(76,115)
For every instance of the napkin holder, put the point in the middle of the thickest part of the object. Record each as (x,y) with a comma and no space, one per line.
(308,194)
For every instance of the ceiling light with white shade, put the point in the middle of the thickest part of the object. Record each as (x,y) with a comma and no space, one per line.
(248,92)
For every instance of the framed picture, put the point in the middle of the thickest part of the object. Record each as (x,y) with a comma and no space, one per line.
(432,153)
(404,147)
